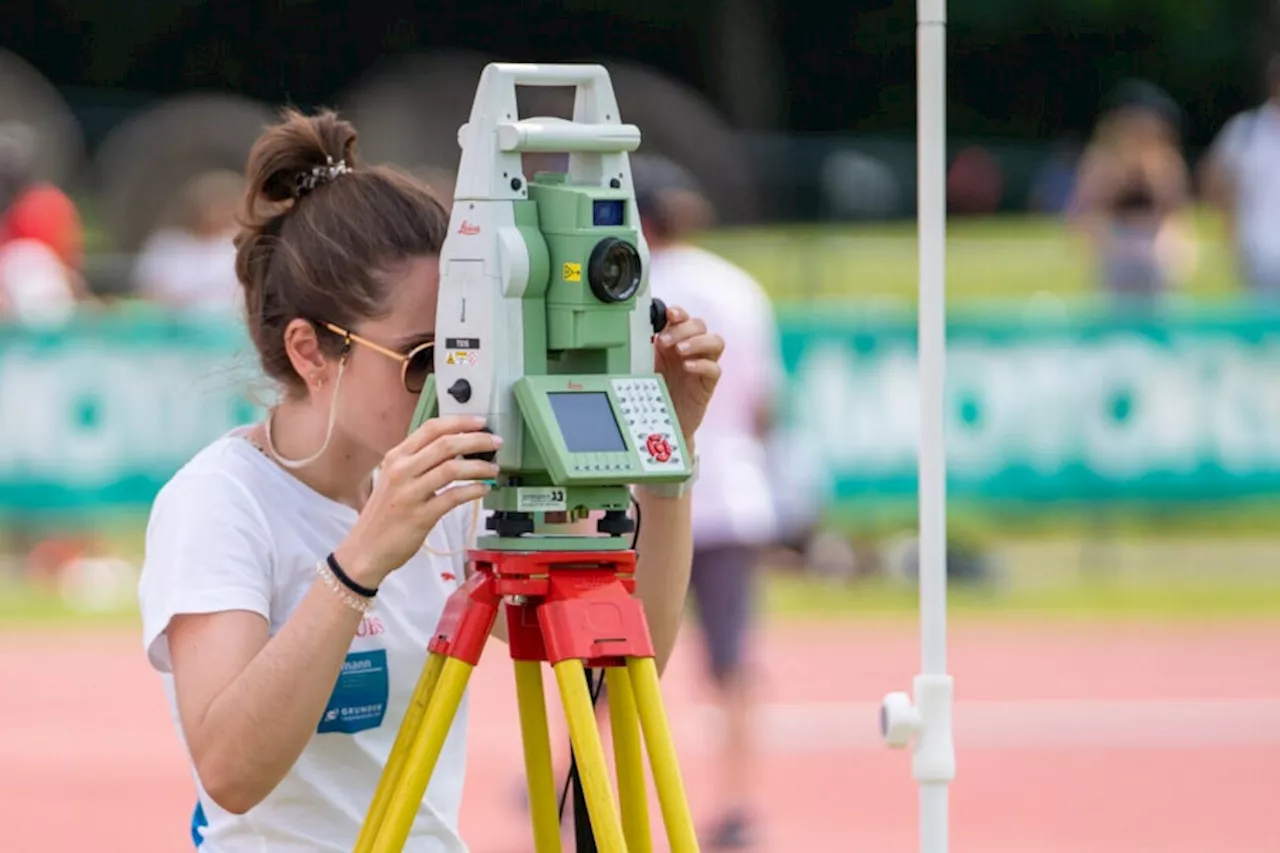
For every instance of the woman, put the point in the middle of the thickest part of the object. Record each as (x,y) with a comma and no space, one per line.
(1132,199)
(266,551)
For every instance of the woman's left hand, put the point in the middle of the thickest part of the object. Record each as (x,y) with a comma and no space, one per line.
(688,358)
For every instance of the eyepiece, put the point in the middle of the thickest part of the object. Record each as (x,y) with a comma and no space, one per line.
(613,271)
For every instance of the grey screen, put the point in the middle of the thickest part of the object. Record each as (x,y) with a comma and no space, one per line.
(587,423)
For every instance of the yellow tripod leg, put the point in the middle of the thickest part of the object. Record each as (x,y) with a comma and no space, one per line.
(662,756)
(424,753)
(592,769)
(408,733)
(537,756)
(629,757)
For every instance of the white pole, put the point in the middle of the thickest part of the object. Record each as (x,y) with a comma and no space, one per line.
(934,761)
(928,717)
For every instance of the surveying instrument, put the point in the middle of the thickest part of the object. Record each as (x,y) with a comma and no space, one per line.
(545,329)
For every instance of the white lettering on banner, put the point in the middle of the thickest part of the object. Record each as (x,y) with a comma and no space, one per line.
(1119,418)
(1047,427)
(854,409)
(986,407)
(1122,407)
(85,417)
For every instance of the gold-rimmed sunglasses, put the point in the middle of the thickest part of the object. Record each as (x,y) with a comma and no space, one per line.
(415,365)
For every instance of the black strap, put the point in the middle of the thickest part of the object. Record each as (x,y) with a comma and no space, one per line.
(584,835)
(346,581)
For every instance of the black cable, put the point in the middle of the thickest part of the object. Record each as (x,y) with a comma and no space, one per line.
(584,837)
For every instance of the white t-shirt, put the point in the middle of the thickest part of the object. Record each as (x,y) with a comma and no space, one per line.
(34,285)
(188,272)
(232,530)
(1249,148)
(732,501)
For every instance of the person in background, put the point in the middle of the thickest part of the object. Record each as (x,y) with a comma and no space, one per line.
(41,238)
(1240,176)
(1132,198)
(189,264)
(733,514)
(41,249)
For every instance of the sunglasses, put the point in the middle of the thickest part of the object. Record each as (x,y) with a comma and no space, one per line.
(415,366)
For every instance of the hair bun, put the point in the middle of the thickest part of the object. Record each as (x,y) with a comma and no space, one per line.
(289,160)
(299,154)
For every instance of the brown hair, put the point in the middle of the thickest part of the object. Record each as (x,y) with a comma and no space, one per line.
(320,231)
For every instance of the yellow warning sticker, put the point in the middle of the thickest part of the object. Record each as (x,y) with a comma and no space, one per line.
(573,272)
(467,357)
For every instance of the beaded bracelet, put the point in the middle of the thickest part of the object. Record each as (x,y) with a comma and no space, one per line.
(355,602)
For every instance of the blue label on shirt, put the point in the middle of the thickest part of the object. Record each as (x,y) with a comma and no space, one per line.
(198,824)
(359,699)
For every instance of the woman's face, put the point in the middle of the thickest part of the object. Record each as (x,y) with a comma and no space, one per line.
(374,408)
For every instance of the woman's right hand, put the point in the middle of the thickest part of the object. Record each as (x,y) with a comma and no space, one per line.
(413,492)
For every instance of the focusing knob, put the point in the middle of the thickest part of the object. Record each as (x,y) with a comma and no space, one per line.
(658,315)
(460,390)
(483,455)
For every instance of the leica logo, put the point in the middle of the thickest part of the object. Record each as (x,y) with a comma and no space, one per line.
(468,229)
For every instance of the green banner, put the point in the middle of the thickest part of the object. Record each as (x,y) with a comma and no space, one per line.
(97,415)
(1041,408)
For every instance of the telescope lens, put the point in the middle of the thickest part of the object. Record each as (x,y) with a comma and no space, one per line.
(614,270)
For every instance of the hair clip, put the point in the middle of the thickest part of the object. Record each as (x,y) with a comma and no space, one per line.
(308,181)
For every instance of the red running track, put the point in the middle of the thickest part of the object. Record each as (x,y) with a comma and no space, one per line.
(1070,738)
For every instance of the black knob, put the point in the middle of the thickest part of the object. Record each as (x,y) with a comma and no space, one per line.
(484,455)
(658,315)
(460,390)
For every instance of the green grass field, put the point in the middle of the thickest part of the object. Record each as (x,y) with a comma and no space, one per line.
(1044,590)
(998,258)
(993,258)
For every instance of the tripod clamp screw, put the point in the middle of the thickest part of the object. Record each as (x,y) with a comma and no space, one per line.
(899,720)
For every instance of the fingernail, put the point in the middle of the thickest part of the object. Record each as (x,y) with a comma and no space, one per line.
(683,348)
(665,339)
(497,441)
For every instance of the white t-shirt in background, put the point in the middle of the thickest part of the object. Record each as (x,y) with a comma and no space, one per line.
(189,273)
(1249,148)
(35,287)
(232,530)
(732,502)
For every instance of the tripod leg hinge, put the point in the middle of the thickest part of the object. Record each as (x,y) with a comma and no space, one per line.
(467,620)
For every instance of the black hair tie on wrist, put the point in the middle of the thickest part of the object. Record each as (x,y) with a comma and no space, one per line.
(346,581)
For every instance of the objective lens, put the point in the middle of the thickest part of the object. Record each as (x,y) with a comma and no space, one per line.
(614,270)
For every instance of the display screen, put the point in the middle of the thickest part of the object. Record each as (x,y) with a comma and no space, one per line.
(587,423)
(607,213)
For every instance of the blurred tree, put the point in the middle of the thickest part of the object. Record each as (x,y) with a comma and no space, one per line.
(1021,69)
